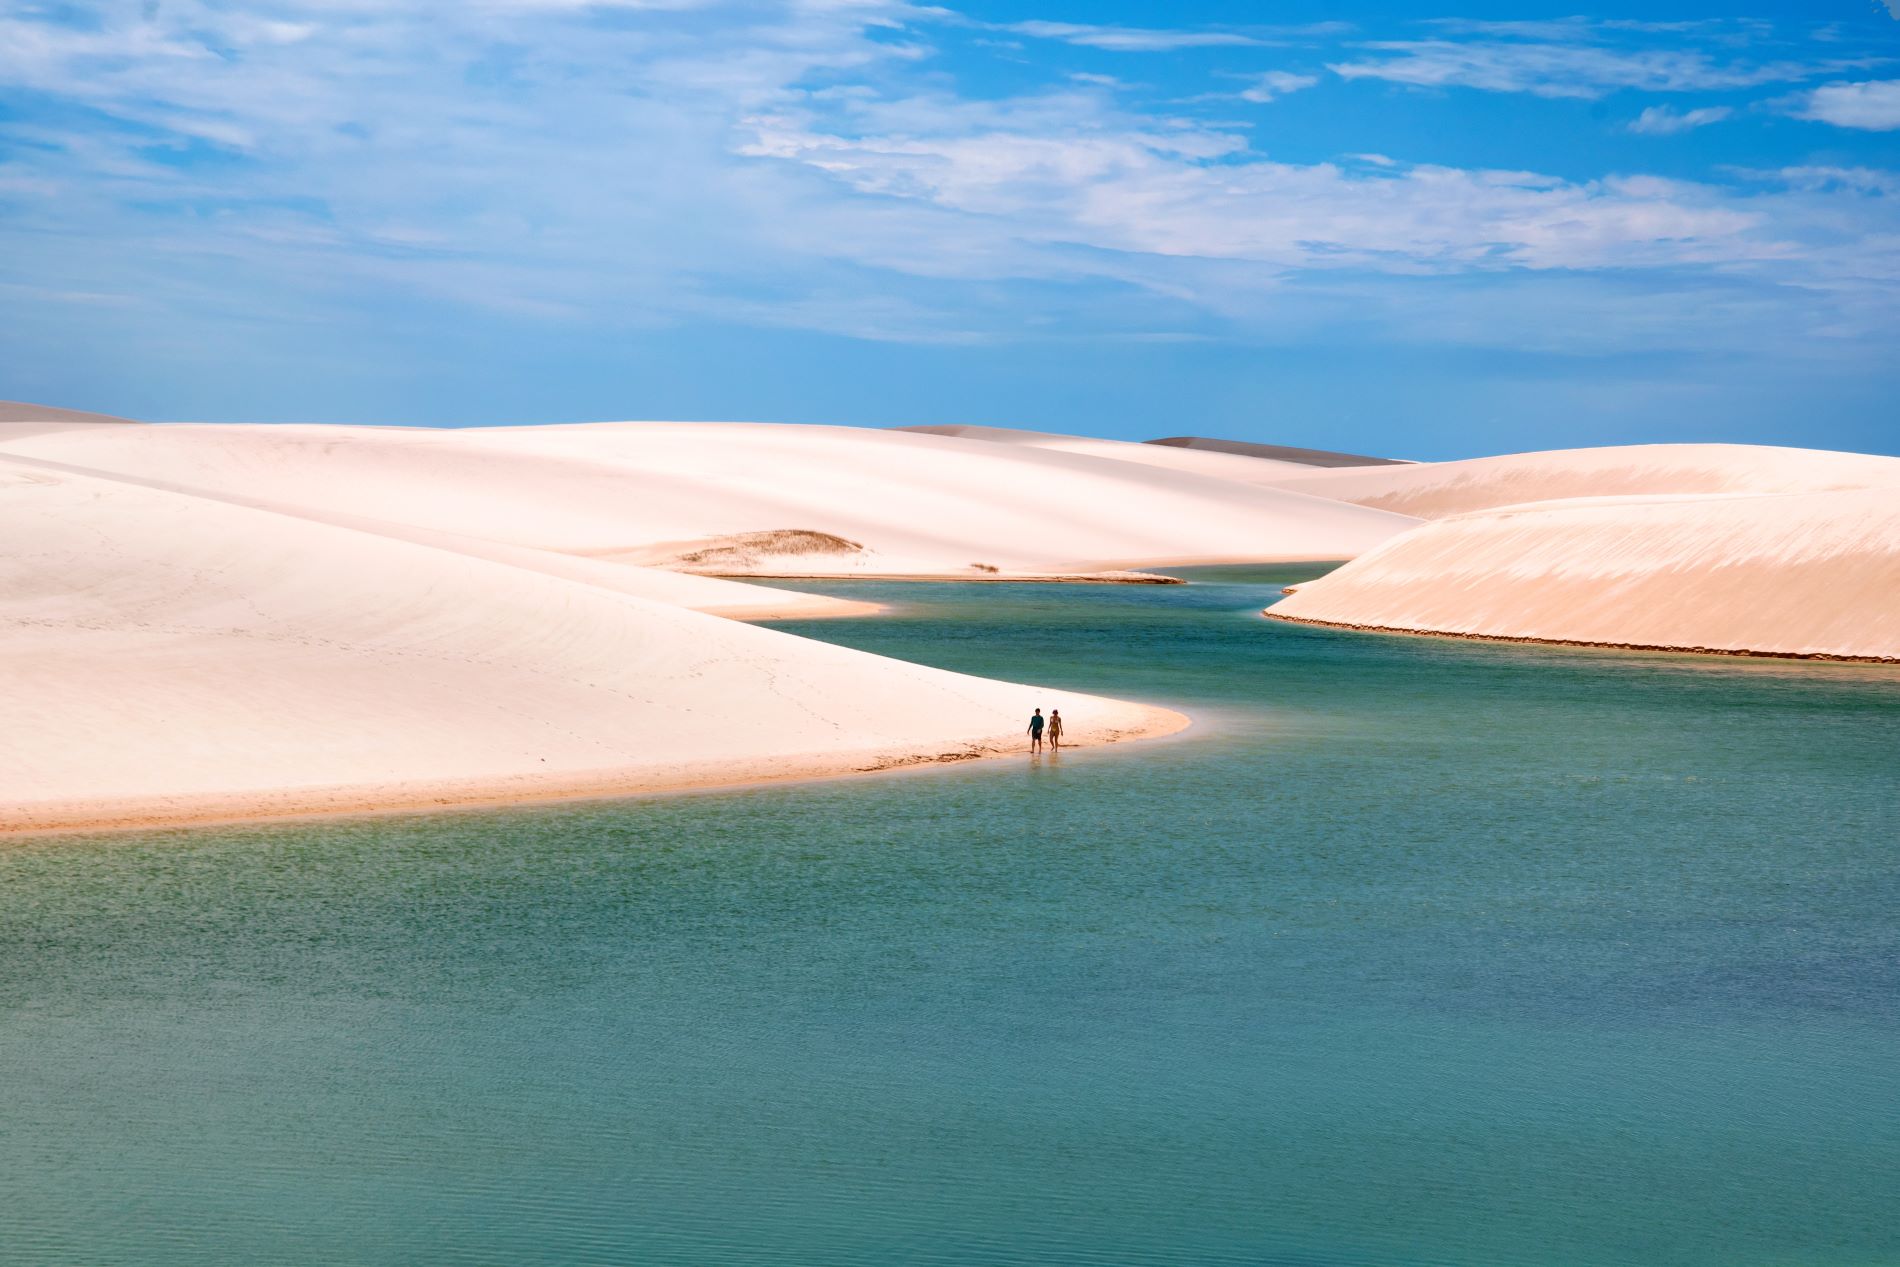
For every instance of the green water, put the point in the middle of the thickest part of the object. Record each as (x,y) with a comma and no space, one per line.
(1410,952)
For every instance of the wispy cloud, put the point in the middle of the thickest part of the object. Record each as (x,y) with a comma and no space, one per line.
(1734,30)
(1063,173)
(1561,70)
(1820,178)
(1126,39)
(1872,106)
(1663,121)
(1276,84)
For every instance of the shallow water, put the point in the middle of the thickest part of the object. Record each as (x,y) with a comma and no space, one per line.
(1411,952)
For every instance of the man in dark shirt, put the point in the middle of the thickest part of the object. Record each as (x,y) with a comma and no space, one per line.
(1035,732)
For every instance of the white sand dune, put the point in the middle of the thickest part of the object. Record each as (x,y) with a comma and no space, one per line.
(718,597)
(169,657)
(1797,574)
(1432,490)
(899,504)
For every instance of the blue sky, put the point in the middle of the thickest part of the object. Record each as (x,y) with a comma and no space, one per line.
(1426,231)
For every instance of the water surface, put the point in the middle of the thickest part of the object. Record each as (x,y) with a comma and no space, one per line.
(1412,951)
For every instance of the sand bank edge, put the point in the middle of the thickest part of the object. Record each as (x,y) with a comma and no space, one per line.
(770,613)
(69,818)
(1747,653)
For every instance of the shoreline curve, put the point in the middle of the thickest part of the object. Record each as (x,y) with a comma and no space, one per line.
(1738,652)
(100,817)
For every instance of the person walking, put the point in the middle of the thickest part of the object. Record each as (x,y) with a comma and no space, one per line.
(1055,728)
(1035,732)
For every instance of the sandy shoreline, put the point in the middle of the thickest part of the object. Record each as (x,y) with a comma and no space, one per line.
(842,609)
(88,817)
(1576,642)
(1048,578)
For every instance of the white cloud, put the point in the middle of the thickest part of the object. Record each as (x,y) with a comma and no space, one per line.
(1552,29)
(1873,105)
(1123,39)
(1859,179)
(1275,84)
(1113,185)
(1560,70)
(1663,121)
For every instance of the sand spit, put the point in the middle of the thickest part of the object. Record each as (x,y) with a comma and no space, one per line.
(1433,490)
(1809,575)
(146,813)
(915,505)
(173,658)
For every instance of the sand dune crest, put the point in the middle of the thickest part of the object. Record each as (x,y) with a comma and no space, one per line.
(920,505)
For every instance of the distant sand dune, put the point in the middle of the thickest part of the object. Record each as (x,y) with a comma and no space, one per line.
(21,411)
(1187,453)
(1432,490)
(1275,452)
(920,505)
(21,418)
(1795,574)
(1256,471)
(682,589)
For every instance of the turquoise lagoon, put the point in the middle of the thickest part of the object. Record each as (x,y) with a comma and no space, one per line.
(1411,951)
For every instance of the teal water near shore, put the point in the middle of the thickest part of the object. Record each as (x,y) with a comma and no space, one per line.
(1411,951)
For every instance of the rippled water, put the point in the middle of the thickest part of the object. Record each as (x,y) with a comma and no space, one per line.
(1411,952)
